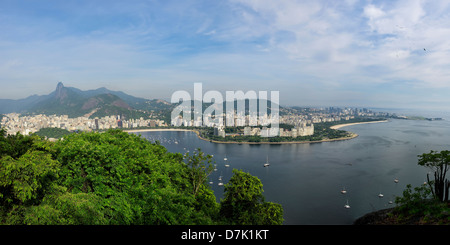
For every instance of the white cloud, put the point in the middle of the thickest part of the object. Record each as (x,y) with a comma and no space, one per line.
(351,48)
(372,12)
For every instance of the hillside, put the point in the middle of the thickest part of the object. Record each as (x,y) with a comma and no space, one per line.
(98,103)
(116,178)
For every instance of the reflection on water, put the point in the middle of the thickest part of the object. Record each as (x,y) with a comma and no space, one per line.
(307,179)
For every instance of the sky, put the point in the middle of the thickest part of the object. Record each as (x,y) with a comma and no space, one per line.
(358,53)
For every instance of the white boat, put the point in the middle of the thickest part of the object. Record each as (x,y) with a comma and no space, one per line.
(267,162)
(220,184)
(396,180)
(343,191)
(346,205)
(227,165)
(225,158)
(380,195)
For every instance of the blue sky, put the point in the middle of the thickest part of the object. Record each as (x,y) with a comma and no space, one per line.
(316,53)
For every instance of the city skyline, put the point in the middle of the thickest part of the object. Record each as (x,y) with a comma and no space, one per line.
(316,53)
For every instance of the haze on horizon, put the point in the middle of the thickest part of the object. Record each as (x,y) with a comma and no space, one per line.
(357,53)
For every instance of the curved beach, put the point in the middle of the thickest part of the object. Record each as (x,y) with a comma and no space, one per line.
(352,136)
(156,129)
(350,124)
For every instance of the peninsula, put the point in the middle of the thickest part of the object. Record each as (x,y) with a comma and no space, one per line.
(323,133)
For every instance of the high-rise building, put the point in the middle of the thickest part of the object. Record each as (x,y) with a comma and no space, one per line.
(247,131)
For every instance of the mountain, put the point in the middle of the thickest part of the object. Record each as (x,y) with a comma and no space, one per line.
(21,105)
(75,102)
(62,101)
(96,103)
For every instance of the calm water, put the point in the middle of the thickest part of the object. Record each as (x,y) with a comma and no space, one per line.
(307,179)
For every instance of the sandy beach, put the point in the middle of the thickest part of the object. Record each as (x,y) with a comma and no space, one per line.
(156,129)
(349,124)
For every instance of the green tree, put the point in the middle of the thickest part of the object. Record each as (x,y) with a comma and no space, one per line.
(438,162)
(200,168)
(24,182)
(244,203)
(56,133)
(15,145)
(137,181)
(65,208)
(118,178)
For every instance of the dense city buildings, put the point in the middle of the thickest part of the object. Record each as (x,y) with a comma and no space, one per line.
(302,120)
(14,123)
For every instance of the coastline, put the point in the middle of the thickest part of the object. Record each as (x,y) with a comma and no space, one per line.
(350,124)
(156,129)
(280,143)
(352,136)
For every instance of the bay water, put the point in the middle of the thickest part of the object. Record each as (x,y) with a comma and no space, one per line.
(308,179)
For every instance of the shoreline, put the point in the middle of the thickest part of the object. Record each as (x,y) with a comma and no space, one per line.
(352,136)
(280,143)
(350,124)
(156,129)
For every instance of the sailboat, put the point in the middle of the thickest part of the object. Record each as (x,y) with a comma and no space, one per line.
(225,158)
(220,181)
(267,162)
(346,205)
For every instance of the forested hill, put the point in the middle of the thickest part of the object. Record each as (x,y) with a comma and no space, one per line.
(75,102)
(119,178)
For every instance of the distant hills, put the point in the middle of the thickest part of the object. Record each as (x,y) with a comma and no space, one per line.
(95,103)
(92,103)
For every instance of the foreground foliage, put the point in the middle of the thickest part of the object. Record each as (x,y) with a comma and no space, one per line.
(115,178)
(424,204)
(428,203)
(418,206)
(244,202)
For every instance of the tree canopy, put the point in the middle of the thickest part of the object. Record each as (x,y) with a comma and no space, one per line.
(117,178)
(244,202)
(438,162)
